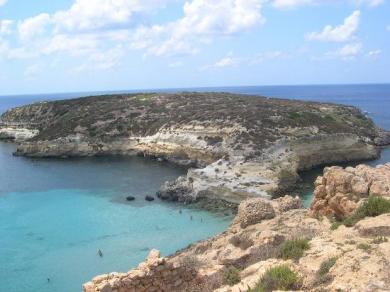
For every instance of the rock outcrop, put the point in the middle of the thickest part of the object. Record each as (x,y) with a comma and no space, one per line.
(242,146)
(17,134)
(340,191)
(359,256)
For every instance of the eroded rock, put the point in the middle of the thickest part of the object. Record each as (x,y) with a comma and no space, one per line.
(340,191)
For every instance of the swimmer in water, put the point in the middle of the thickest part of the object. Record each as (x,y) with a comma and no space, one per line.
(100,253)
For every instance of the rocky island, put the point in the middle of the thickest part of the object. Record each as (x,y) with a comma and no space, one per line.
(239,146)
(241,150)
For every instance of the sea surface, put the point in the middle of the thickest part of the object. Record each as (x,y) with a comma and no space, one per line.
(56,214)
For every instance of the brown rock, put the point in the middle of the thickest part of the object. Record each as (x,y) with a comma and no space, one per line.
(254,210)
(374,226)
(340,191)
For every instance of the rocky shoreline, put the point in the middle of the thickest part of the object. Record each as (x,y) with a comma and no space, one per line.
(280,234)
(242,150)
(237,146)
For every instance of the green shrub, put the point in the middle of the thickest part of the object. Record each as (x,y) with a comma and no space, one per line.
(294,249)
(322,275)
(232,276)
(335,225)
(329,118)
(364,246)
(278,278)
(379,240)
(295,115)
(373,207)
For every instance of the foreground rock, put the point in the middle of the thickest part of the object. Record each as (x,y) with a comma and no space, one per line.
(243,146)
(340,191)
(252,244)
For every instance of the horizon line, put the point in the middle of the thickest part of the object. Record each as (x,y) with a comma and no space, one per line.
(161,89)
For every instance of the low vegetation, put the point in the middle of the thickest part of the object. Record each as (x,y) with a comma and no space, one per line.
(278,278)
(322,275)
(373,207)
(364,246)
(379,240)
(231,276)
(294,249)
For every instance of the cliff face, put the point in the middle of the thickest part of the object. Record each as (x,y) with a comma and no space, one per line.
(242,145)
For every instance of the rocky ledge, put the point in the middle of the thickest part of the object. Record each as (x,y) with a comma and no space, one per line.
(276,245)
(242,146)
(340,191)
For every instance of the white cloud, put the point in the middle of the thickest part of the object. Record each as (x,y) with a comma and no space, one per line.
(287,4)
(74,45)
(230,60)
(290,3)
(226,62)
(370,3)
(5,26)
(176,64)
(347,52)
(89,27)
(33,71)
(2,2)
(203,20)
(374,54)
(102,60)
(87,15)
(340,33)
(33,27)
(271,55)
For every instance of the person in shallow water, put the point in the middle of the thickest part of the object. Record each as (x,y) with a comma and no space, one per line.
(100,253)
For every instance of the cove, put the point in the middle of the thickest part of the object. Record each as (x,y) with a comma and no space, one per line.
(56,214)
(305,188)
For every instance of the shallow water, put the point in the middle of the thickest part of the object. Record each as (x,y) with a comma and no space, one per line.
(56,214)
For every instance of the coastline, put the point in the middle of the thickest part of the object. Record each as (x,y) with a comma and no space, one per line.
(241,145)
(268,170)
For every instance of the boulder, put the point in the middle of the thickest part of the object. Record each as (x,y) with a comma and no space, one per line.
(286,203)
(340,191)
(374,226)
(254,210)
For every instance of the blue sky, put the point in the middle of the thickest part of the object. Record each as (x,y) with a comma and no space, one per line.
(98,45)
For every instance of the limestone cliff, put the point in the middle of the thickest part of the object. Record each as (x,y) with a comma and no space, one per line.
(242,145)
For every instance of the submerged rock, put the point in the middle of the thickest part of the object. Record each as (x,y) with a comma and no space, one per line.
(130,198)
(149,198)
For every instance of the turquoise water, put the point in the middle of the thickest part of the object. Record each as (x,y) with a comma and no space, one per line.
(56,214)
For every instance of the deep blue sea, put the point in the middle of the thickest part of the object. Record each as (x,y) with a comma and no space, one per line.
(55,214)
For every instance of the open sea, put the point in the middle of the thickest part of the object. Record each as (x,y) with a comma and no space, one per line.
(56,214)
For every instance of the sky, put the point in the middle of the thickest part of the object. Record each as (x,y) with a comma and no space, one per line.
(100,45)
